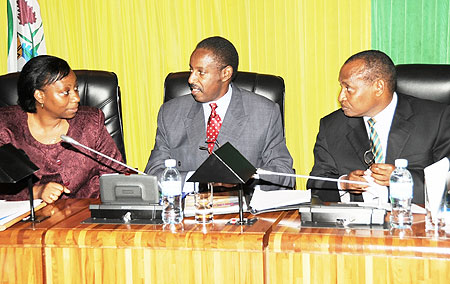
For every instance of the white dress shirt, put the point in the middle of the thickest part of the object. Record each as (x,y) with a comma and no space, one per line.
(383,123)
(222,106)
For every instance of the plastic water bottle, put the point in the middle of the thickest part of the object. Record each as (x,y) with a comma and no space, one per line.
(172,212)
(401,193)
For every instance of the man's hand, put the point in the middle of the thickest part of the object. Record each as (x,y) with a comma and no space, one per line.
(356,175)
(381,173)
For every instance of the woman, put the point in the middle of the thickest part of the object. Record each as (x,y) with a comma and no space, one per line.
(48,108)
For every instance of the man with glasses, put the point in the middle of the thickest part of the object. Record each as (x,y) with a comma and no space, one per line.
(192,126)
(375,126)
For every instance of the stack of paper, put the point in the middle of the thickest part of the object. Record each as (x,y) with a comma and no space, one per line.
(263,201)
(222,204)
(10,210)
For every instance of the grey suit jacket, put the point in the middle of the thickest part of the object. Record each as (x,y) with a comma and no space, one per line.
(252,124)
(420,133)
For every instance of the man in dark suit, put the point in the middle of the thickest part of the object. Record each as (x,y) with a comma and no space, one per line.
(409,128)
(250,122)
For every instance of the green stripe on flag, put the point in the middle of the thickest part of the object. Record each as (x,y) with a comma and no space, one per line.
(10,25)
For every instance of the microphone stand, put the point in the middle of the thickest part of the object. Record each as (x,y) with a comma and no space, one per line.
(30,190)
(242,220)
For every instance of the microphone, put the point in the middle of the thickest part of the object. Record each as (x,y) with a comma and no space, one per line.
(265,172)
(72,141)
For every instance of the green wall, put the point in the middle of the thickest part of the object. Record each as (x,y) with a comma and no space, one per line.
(412,31)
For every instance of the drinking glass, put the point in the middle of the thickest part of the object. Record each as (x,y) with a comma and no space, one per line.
(203,203)
(436,211)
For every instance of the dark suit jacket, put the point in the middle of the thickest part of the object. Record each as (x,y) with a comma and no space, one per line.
(420,133)
(252,124)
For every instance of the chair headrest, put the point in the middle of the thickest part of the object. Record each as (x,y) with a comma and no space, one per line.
(269,86)
(426,81)
(8,85)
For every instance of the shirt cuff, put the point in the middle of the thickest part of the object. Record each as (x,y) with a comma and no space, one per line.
(345,195)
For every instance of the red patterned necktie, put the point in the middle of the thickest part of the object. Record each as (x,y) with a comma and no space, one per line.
(212,130)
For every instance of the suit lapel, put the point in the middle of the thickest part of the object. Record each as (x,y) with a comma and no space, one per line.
(195,125)
(357,136)
(235,119)
(400,130)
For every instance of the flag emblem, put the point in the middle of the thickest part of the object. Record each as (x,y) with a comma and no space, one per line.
(25,33)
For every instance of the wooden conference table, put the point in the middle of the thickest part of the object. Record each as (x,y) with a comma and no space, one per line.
(277,249)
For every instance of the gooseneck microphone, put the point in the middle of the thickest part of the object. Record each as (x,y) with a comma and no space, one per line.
(74,142)
(265,172)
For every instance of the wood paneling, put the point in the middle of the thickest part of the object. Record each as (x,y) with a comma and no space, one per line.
(21,246)
(216,253)
(277,249)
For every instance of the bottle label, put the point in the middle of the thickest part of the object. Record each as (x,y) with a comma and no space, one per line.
(401,190)
(171,188)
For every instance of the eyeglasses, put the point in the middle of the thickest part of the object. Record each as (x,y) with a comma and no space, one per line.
(369,157)
(208,142)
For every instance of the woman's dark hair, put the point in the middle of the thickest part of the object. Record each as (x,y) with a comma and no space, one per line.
(37,73)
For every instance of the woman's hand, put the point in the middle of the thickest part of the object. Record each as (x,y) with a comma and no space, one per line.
(49,192)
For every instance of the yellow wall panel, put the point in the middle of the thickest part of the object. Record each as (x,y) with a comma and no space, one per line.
(142,41)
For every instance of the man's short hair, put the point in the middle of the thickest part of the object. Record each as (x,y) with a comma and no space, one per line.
(224,51)
(377,65)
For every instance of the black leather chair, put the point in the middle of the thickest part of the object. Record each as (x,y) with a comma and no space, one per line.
(269,86)
(426,81)
(97,88)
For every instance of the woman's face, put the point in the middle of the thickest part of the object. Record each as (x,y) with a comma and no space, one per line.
(60,99)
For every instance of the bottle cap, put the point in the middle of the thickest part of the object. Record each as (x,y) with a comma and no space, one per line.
(401,163)
(170,163)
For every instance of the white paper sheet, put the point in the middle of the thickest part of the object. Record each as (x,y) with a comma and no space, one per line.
(375,193)
(10,210)
(263,200)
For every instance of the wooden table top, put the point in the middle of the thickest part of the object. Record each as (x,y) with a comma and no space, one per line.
(188,235)
(289,236)
(278,231)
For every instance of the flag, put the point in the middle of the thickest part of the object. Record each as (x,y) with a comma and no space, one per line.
(25,33)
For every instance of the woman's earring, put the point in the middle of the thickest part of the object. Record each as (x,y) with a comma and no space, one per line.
(42,105)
